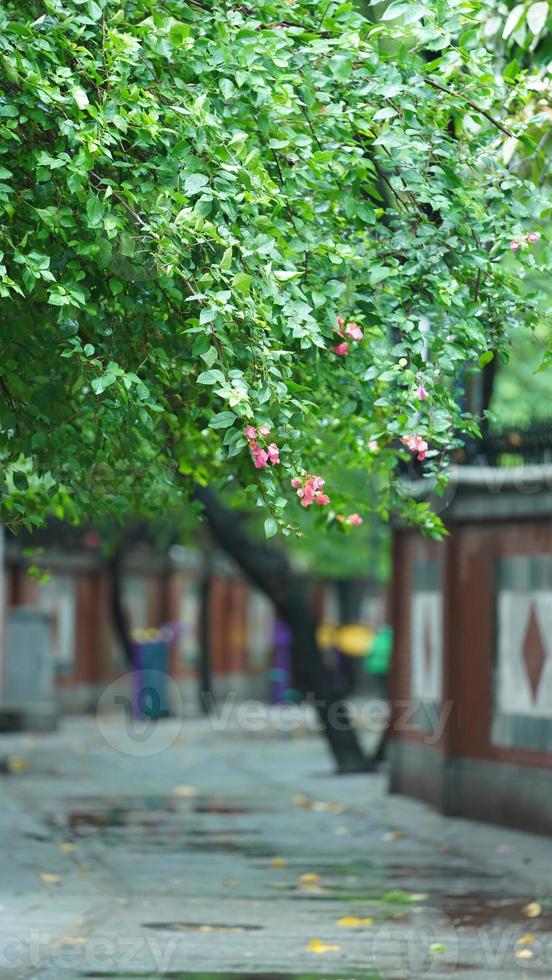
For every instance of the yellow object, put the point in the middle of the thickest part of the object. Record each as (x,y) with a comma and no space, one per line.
(309,879)
(354,922)
(317,946)
(353,640)
(526,940)
(16,763)
(532,910)
(50,879)
(278,862)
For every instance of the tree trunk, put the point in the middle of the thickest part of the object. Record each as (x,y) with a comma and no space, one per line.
(205,692)
(118,614)
(349,595)
(271,572)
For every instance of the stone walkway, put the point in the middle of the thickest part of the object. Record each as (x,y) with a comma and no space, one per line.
(238,852)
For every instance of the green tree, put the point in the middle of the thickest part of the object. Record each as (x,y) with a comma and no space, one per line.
(191,194)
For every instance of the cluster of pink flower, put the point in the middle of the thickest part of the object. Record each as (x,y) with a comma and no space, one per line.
(353,519)
(309,490)
(351,330)
(416,445)
(532,238)
(261,457)
(422,393)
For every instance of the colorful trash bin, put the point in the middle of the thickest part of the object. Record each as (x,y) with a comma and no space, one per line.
(150,695)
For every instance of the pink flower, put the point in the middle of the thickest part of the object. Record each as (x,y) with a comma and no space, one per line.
(250,433)
(354,331)
(416,445)
(422,393)
(273,453)
(340,325)
(321,498)
(373,446)
(260,458)
(532,237)
(355,519)
(264,429)
(309,490)
(341,350)
(514,246)
(308,494)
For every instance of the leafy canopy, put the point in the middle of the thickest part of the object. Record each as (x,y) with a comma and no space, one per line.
(192,191)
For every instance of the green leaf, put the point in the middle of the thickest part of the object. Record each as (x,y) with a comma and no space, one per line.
(242,282)
(394,10)
(226,260)
(210,377)
(282,275)
(80,97)
(485,358)
(100,384)
(511,71)
(537,16)
(210,356)
(270,527)
(194,183)
(223,420)
(94,210)
(513,19)
(94,10)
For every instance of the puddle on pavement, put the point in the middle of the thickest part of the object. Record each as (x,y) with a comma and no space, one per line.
(475,909)
(200,927)
(92,814)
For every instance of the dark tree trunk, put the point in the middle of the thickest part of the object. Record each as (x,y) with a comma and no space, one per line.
(271,572)
(118,614)
(349,600)
(205,693)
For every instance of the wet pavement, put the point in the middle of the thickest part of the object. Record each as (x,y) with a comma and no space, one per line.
(197,853)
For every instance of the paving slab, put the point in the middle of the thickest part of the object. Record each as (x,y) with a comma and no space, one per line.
(189,850)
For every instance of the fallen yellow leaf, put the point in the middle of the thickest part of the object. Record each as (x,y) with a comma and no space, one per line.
(50,879)
(526,940)
(524,954)
(302,801)
(16,763)
(328,807)
(67,847)
(278,862)
(317,946)
(353,921)
(418,897)
(309,879)
(532,910)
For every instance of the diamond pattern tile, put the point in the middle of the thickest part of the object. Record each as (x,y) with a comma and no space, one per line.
(533,653)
